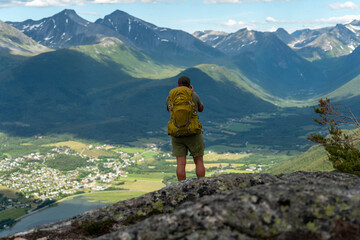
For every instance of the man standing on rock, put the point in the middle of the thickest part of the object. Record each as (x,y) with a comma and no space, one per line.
(183,104)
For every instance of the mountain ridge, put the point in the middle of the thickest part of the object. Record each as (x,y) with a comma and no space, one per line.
(161,43)
(65,29)
(336,41)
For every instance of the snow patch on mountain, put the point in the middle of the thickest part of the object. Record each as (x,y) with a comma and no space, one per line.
(354,29)
(48,38)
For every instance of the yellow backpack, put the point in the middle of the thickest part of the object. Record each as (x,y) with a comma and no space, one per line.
(184,119)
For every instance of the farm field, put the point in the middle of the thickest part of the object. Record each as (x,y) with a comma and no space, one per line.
(142,185)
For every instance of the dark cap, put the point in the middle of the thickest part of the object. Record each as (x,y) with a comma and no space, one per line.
(184,81)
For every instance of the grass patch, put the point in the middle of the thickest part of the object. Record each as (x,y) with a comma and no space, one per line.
(7,155)
(226,156)
(149,155)
(130,150)
(26,144)
(143,185)
(13,213)
(223,149)
(264,160)
(97,153)
(76,146)
(7,192)
(81,148)
(155,176)
(170,160)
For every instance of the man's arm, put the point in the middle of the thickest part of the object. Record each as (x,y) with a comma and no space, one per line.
(196,99)
(167,103)
(201,107)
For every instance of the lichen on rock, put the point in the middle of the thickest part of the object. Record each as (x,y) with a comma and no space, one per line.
(320,205)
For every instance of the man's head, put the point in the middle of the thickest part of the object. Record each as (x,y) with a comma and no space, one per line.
(184,81)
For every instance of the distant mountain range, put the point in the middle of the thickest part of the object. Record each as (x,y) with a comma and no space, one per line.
(67,29)
(63,73)
(312,44)
(63,30)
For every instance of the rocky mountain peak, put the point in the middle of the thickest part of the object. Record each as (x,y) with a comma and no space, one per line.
(67,12)
(235,43)
(283,35)
(71,15)
(210,37)
(243,30)
(120,20)
(118,12)
(282,31)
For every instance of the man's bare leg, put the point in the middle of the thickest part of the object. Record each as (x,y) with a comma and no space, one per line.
(200,168)
(180,169)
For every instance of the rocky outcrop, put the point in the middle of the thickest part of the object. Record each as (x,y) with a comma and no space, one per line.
(320,205)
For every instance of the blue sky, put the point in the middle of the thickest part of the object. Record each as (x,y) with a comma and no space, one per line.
(222,15)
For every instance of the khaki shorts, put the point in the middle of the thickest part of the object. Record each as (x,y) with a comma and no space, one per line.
(194,144)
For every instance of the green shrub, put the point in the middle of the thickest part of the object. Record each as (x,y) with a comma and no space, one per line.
(342,152)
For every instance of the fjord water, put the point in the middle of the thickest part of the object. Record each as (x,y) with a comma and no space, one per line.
(63,210)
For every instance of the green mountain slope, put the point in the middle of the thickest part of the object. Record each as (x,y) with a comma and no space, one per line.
(115,53)
(8,60)
(347,91)
(67,91)
(315,159)
(235,75)
(347,72)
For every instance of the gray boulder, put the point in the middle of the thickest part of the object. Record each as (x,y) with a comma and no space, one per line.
(320,205)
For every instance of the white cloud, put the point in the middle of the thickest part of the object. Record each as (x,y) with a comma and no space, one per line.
(331,20)
(271,20)
(233,24)
(346,5)
(336,20)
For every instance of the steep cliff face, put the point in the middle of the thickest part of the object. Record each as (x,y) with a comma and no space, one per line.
(320,205)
